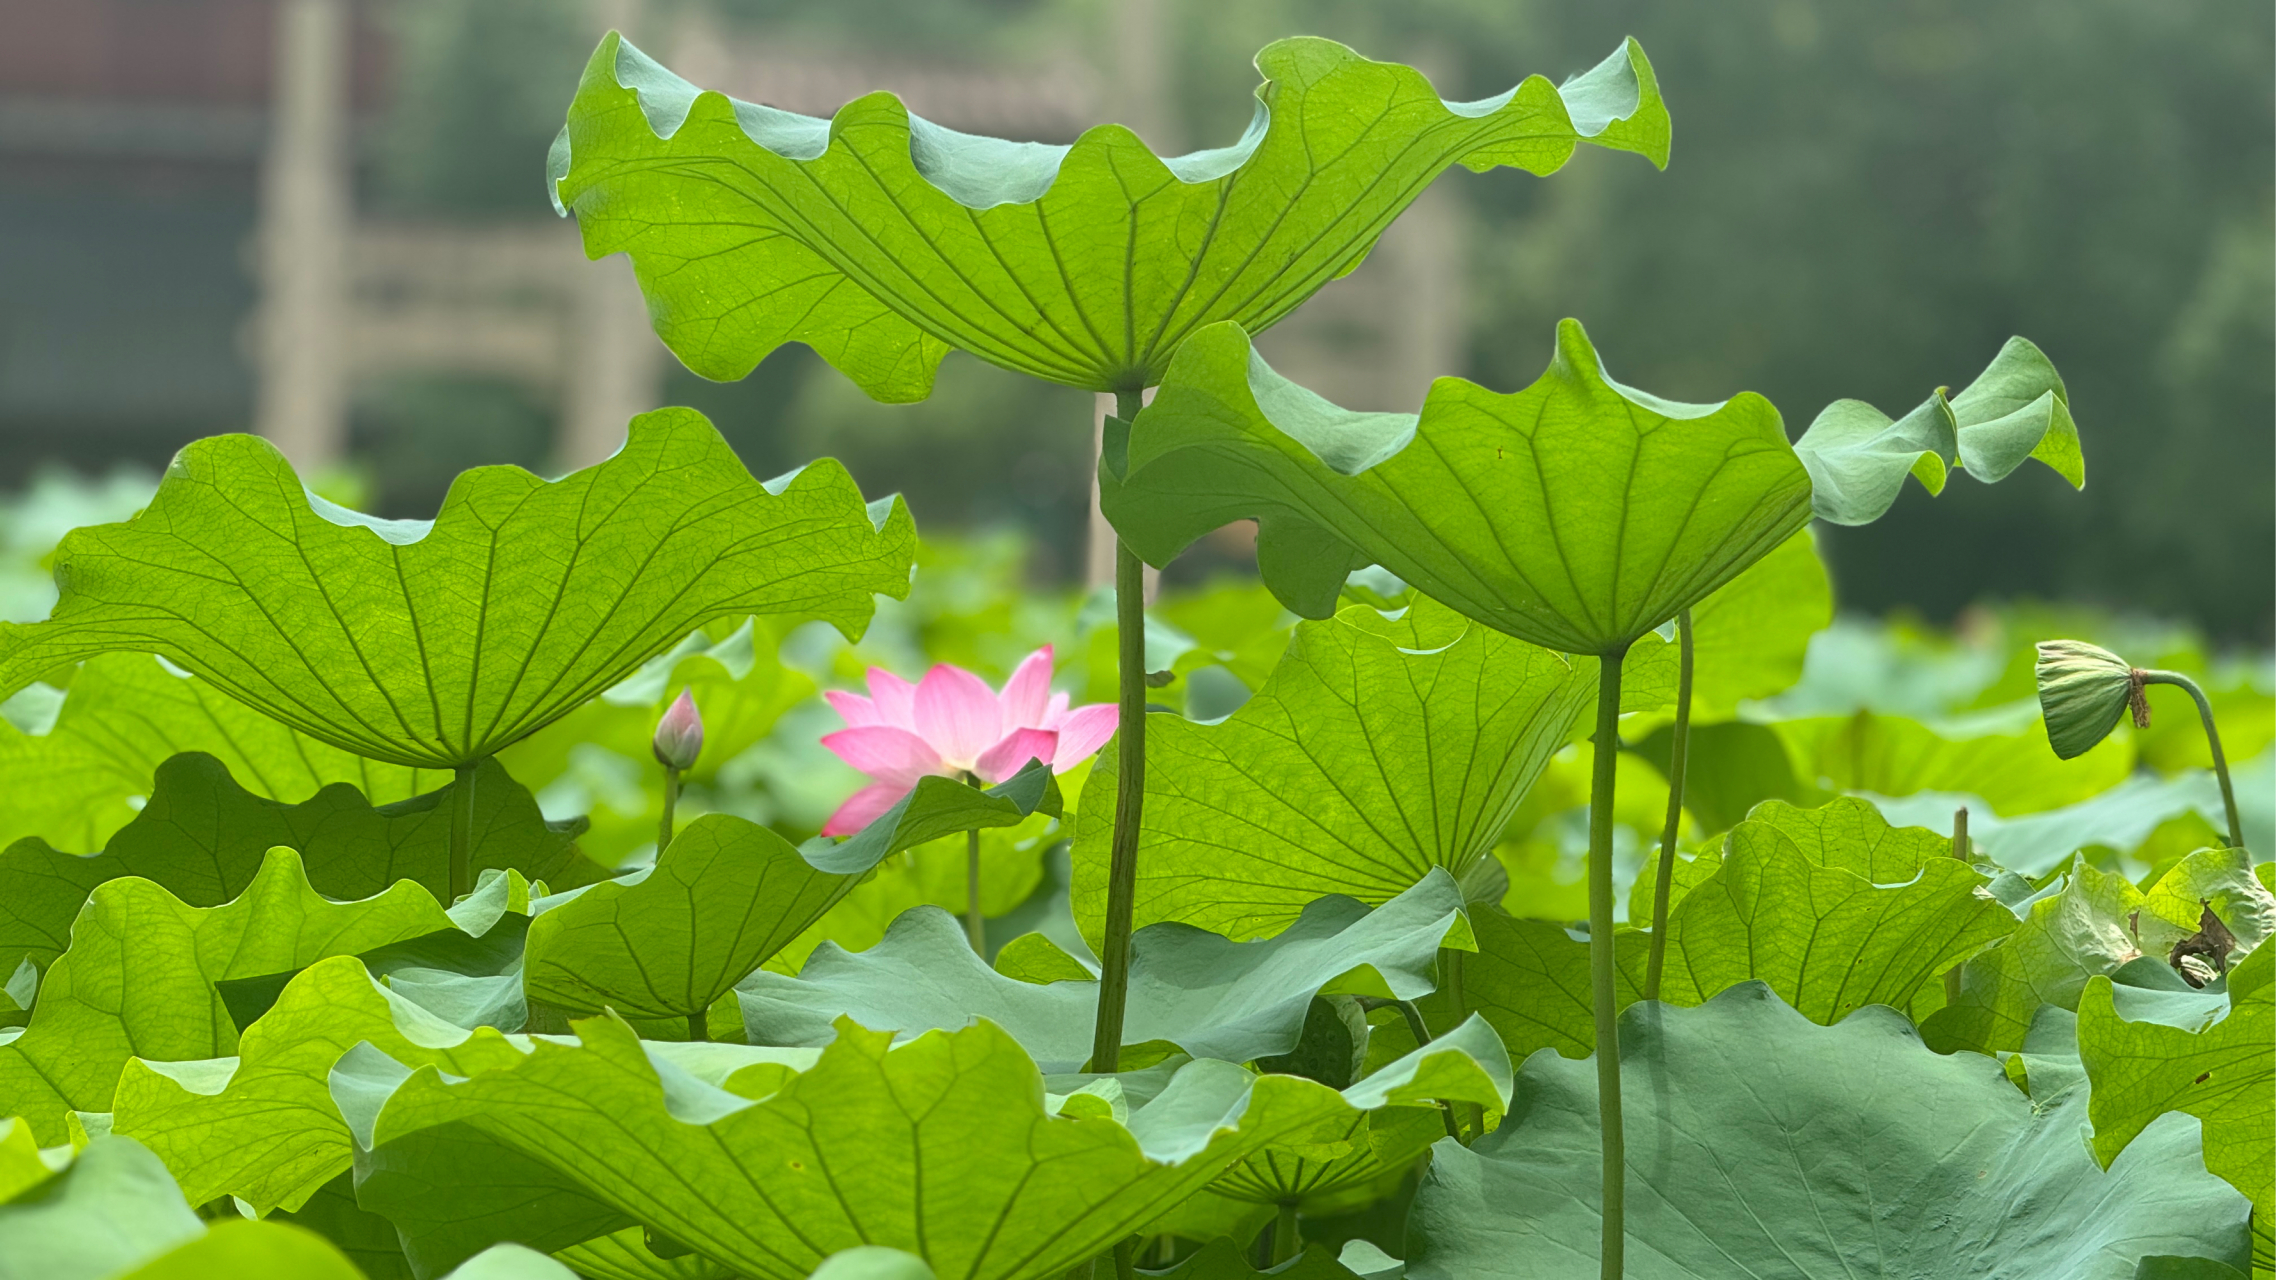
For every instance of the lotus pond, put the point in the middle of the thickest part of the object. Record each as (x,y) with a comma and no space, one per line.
(654,873)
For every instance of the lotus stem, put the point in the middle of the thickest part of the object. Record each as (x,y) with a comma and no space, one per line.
(1284,1239)
(1129,791)
(2212,740)
(461,832)
(1663,886)
(699,1025)
(1421,1032)
(975,924)
(1960,850)
(1600,966)
(671,805)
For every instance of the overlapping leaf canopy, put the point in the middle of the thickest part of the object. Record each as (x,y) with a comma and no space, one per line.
(883,240)
(1381,747)
(433,644)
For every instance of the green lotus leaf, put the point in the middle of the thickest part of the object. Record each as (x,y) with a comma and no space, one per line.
(883,240)
(1577,514)
(242,1250)
(1832,908)
(204,837)
(2015,773)
(1388,1139)
(110,1210)
(2016,409)
(1379,749)
(22,1167)
(1221,1259)
(1749,637)
(260,1125)
(434,644)
(368,1239)
(1206,995)
(80,776)
(138,979)
(669,940)
(2223,1074)
(2123,819)
(2097,924)
(943,1147)
(1760,1143)
(624,1255)
(510,1262)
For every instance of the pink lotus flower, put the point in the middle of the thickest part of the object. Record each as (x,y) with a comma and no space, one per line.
(951,723)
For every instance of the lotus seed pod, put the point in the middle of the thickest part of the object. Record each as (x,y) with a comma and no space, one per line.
(2083,689)
(679,735)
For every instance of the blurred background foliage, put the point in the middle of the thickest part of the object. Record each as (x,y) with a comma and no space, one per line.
(1864,201)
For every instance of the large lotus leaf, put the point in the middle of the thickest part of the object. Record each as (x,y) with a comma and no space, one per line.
(2016,773)
(22,1167)
(1205,994)
(946,1147)
(138,979)
(624,1255)
(77,772)
(260,1125)
(204,837)
(2083,930)
(2221,881)
(668,940)
(1379,749)
(883,240)
(113,1208)
(1577,514)
(2016,408)
(2223,1074)
(436,643)
(1762,1144)
(242,1250)
(2122,818)
(738,682)
(1749,637)
(1832,908)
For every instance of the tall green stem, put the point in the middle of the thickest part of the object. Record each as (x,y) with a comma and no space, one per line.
(462,832)
(1663,887)
(671,805)
(1960,850)
(1129,791)
(2212,739)
(1284,1239)
(1600,968)
(699,1025)
(975,924)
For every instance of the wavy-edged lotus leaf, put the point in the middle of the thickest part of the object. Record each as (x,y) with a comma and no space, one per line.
(1760,1143)
(738,681)
(1749,637)
(2016,409)
(1379,749)
(1388,1139)
(1205,994)
(259,1124)
(943,1147)
(2223,1074)
(76,777)
(435,643)
(242,1250)
(110,1210)
(22,1167)
(1831,907)
(138,979)
(2068,937)
(204,837)
(2015,773)
(883,240)
(2221,881)
(1577,514)
(668,940)
(624,1255)
(1221,1259)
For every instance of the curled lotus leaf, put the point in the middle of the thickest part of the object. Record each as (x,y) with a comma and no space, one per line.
(883,240)
(2016,409)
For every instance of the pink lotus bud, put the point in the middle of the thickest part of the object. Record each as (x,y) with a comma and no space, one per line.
(679,735)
